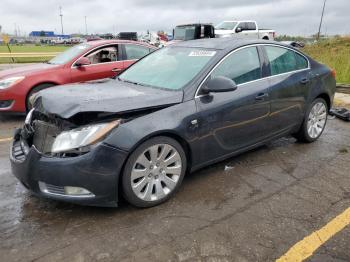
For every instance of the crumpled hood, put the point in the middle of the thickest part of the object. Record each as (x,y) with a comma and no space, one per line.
(108,95)
(26,70)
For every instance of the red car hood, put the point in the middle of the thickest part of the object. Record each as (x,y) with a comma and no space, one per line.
(26,70)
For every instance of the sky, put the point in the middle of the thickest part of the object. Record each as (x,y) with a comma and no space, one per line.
(291,17)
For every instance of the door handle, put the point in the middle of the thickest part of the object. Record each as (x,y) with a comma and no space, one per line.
(304,81)
(115,70)
(261,96)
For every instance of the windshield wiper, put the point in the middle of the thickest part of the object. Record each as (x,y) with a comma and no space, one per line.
(131,82)
(127,81)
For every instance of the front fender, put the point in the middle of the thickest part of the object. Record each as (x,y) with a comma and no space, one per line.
(175,120)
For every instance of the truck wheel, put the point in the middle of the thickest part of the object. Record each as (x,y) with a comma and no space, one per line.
(265,38)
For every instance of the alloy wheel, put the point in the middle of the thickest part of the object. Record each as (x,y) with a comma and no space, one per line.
(156,172)
(317,120)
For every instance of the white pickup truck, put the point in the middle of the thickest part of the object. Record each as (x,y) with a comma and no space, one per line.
(243,29)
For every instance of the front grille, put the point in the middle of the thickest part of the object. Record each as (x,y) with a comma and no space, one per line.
(44,135)
(55,189)
(51,189)
(17,151)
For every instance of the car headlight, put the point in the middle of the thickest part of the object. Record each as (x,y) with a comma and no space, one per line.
(82,137)
(10,81)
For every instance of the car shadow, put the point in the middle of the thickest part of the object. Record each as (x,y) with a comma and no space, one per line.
(6,117)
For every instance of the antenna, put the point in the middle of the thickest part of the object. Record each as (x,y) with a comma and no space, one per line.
(319,28)
(61,15)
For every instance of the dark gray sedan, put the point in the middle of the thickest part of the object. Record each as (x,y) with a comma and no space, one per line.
(178,109)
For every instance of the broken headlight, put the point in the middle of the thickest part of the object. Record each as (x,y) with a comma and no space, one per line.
(81,137)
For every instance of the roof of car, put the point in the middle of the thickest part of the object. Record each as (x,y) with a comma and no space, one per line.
(195,24)
(223,43)
(116,41)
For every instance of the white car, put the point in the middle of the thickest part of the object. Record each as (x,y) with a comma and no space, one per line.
(243,29)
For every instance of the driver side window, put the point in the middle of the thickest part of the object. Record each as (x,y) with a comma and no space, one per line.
(103,55)
(242,26)
(241,66)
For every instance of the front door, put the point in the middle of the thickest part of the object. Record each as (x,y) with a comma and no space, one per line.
(234,120)
(105,63)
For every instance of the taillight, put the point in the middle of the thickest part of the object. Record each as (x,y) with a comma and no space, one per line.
(333,73)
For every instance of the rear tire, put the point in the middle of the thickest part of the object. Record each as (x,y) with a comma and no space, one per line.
(34,91)
(154,172)
(314,123)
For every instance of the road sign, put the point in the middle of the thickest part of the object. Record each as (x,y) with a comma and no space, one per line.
(5,38)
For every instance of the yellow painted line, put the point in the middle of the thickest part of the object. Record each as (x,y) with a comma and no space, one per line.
(306,247)
(5,139)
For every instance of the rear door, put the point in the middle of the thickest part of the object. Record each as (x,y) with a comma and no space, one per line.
(105,62)
(231,121)
(132,53)
(289,85)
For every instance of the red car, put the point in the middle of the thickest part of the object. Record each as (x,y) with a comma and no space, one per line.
(84,62)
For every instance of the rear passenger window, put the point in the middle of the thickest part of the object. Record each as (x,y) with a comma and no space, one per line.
(135,51)
(302,63)
(251,26)
(281,60)
(241,66)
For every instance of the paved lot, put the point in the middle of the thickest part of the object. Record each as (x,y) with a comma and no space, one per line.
(266,201)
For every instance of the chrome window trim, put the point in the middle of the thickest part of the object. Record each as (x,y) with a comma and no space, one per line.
(263,78)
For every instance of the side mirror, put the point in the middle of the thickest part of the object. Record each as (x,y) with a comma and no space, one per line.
(219,84)
(82,61)
(238,30)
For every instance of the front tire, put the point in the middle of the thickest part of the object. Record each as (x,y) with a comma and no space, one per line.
(154,172)
(314,121)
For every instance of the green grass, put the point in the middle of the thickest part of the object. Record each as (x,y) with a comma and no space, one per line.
(334,53)
(32,48)
(29,49)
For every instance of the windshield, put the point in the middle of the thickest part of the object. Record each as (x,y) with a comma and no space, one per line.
(69,54)
(169,68)
(226,26)
(185,33)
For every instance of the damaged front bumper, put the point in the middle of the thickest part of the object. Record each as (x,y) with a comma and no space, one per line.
(97,172)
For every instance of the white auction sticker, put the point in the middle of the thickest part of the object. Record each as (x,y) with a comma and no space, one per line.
(202,53)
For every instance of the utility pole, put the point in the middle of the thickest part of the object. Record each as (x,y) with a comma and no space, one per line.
(85,26)
(61,15)
(319,28)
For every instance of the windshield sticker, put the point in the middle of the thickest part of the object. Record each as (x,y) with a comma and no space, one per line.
(202,53)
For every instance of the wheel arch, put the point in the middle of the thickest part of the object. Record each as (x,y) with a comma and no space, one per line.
(37,85)
(327,98)
(169,133)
